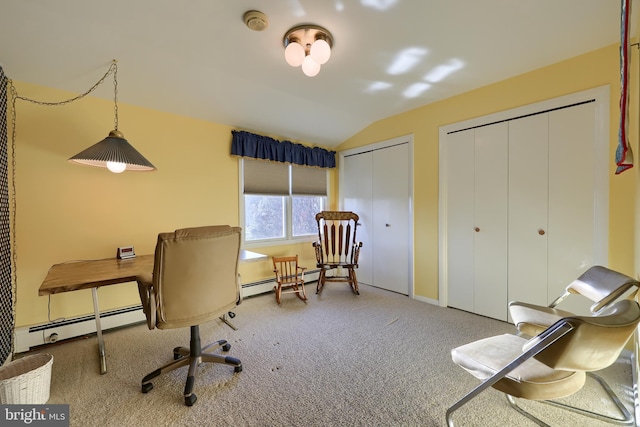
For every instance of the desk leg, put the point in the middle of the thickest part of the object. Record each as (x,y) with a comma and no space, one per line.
(228,322)
(102,354)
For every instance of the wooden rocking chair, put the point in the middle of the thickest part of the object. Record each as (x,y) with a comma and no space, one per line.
(289,277)
(337,247)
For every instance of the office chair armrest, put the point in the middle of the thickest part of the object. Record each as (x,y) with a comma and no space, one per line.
(148,298)
(532,319)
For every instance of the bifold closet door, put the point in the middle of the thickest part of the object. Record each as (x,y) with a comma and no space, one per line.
(460,222)
(572,199)
(391,218)
(491,147)
(358,198)
(528,209)
(532,191)
(477,220)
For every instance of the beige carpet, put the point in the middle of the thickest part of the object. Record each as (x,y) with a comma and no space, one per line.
(377,359)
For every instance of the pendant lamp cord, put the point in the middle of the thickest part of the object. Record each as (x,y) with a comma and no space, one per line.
(113,69)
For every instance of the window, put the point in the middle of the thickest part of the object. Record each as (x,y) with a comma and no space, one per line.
(280,201)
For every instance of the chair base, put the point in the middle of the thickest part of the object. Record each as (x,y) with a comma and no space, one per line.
(350,279)
(290,289)
(626,420)
(193,356)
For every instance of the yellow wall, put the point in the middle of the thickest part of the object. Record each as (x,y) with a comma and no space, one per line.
(587,71)
(69,212)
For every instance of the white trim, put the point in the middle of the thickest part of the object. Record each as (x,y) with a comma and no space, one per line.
(287,240)
(408,139)
(427,300)
(601,184)
(377,146)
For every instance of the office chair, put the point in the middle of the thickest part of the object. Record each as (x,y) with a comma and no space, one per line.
(337,247)
(289,277)
(550,365)
(194,281)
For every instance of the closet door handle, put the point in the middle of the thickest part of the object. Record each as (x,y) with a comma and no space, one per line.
(477,229)
(387,225)
(541,232)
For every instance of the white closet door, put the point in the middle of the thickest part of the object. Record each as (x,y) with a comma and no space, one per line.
(551,201)
(460,222)
(358,198)
(391,218)
(572,201)
(528,209)
(490,217)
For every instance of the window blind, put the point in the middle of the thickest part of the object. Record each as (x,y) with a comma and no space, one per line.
(261,177)
(308,181)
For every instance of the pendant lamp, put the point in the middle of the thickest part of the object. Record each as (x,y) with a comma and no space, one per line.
(114,152)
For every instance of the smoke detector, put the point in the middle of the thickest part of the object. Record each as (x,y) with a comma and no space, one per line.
(256,20)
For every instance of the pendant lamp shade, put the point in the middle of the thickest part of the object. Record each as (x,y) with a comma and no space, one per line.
(113,153)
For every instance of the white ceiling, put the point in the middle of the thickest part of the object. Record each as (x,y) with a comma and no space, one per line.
(197,58)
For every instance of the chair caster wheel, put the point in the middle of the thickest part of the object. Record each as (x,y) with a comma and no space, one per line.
(237,369)
(226,347)
(176,353)
(147,387)
(190,400)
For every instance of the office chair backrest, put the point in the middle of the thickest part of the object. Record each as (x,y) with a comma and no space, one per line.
(595,342)
(196,275)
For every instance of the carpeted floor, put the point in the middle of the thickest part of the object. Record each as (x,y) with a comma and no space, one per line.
(377,359)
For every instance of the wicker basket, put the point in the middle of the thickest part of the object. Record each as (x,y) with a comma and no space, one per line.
(26,380)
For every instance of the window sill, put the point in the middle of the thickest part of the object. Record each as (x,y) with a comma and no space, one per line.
(284,242)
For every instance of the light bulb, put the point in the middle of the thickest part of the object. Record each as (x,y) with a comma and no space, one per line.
(116,167)
(310,67)
(294,54)
(320,51)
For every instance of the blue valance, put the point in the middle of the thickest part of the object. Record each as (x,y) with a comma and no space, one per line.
(246,144)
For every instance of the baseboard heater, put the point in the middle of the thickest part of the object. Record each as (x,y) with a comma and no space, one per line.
(263,286)
(28,337)
(33,336)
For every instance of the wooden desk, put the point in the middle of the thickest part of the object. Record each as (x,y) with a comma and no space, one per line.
(77,275)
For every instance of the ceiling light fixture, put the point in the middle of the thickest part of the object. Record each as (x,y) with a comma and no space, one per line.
(308,46)
(114,152)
